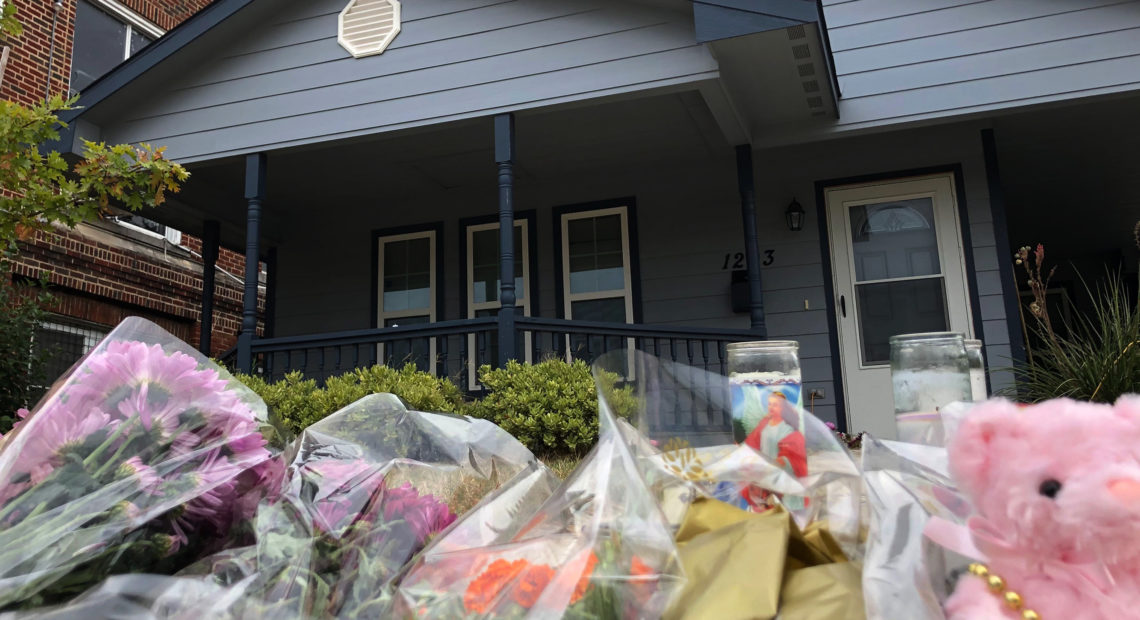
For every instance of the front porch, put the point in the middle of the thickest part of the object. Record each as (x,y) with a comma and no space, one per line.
(667,270)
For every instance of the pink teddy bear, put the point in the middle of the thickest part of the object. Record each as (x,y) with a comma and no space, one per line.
(1056,492)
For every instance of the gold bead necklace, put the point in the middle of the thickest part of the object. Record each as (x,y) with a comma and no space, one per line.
(997,586)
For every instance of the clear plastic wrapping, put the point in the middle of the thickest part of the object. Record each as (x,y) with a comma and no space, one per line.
(143,457)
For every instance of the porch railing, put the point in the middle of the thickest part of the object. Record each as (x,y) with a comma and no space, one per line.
(456,349)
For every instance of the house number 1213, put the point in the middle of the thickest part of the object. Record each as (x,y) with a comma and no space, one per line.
(736,261)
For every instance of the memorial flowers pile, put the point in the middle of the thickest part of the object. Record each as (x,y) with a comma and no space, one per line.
(143,457)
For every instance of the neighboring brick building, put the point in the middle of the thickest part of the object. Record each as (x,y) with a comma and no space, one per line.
(105,271)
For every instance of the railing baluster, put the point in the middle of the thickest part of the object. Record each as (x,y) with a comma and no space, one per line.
(441,358)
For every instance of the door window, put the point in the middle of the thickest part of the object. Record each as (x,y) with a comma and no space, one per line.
(898,276)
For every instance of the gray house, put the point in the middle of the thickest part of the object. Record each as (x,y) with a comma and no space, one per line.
(676,174)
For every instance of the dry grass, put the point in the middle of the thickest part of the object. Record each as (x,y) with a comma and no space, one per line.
(562,466)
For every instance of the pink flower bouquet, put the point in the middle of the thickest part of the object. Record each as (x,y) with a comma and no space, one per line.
(368,487)
(144,457)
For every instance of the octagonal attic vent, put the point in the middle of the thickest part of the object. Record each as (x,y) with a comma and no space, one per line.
(367,27)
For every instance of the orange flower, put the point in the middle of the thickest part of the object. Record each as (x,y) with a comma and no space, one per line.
(484,589)
(532,583)
(584,581)
(644,580)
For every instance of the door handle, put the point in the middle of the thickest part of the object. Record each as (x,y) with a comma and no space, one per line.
(843,305)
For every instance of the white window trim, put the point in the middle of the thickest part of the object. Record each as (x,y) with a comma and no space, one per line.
(473,307)
(131,19)
(626,292)
(381,314)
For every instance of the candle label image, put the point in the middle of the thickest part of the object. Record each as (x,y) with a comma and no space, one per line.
(765,416)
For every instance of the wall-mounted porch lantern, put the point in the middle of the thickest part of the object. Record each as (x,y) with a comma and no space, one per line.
(795,216)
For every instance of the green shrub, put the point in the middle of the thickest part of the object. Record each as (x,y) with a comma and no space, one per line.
(1098,357)
(551,407)
(300,402)
(420,390)
(21,364)
(296,400)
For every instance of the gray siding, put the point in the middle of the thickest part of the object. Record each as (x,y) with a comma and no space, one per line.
(285,81)
(913,61)
(688,218)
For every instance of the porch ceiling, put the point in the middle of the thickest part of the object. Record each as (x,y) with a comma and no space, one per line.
(391,172)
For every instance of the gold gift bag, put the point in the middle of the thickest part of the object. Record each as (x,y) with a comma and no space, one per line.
(741,564)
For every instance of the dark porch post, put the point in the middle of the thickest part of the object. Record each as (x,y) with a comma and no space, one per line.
(254,195)
(211,234)
(505,158)
(744,178)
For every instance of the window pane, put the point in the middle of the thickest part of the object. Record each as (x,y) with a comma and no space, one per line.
(138,41)
(407,275)
(606,310)
(485,265)
(890,308)
(894,240)
(99,44)
(595,250)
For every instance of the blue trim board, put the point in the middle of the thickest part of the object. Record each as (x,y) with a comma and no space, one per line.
(197,25)
(724,19)
(1004,248)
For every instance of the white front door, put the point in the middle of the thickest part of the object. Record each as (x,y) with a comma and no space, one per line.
(896,254)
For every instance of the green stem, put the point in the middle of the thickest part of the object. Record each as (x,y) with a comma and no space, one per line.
(107,443)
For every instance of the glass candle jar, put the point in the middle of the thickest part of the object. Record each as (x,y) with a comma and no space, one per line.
(928,372)
(977,370)
(763,376)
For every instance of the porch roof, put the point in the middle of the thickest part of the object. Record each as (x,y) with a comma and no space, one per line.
(245,76)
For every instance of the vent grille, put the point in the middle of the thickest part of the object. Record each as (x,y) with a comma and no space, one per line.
(367,27)
(815,102)
(806,70)
(796,32)
(811,86)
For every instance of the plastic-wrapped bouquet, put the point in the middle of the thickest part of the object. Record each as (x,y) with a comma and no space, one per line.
(144,457)
(366,489)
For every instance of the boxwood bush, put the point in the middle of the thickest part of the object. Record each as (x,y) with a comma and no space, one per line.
(551,407)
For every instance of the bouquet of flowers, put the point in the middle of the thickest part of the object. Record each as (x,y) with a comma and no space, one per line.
(144,457)
(597,547)
(651,526)
(365,490)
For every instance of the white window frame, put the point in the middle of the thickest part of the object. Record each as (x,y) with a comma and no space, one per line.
(131,19)
(568,298)
(381,315)
(473,307)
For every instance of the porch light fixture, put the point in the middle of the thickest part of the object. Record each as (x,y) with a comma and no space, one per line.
(795,216)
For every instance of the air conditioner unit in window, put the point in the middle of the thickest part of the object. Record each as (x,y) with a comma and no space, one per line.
(173,236)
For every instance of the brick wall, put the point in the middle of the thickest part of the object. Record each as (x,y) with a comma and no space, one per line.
(99,274)
(119,279)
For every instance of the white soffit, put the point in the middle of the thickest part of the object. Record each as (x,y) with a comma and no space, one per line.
(367,27)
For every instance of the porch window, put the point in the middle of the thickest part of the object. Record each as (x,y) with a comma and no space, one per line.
(596,274)
(106,34)
(407,293)
(482,279)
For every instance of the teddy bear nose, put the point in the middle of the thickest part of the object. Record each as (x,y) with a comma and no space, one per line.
(1125,488)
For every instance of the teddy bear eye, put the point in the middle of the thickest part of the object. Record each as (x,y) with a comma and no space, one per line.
(1050,488)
